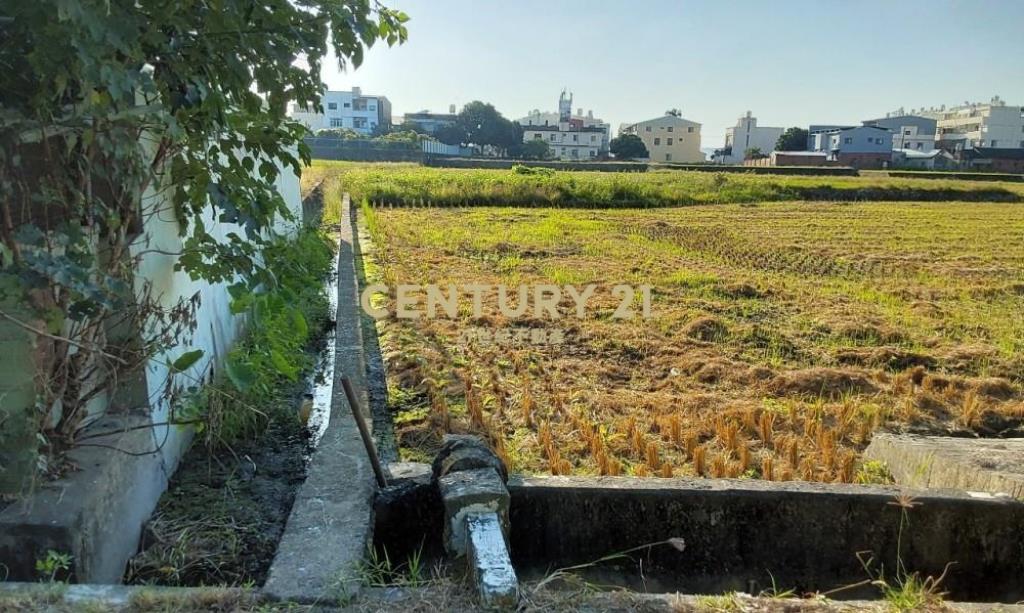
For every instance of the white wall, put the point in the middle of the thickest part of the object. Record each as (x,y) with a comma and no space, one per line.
(216,328)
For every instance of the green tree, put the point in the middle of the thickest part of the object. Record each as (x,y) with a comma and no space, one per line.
(793,139)
(480,123)
(628,147)
(451,135)
(340,133)
(753,153)
(102,101)
(535,149)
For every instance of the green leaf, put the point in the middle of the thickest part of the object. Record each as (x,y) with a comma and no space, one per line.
(54,320)
(241,374)
(281,363)
(186,360)
(299,321)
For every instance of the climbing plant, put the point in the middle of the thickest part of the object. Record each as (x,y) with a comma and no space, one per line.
(116,113)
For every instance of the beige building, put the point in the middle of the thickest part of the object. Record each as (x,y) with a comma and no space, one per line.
(668,138)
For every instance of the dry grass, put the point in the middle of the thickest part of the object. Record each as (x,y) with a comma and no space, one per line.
(783,334)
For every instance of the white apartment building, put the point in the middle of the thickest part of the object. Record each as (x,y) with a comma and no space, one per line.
(992,124)
(668,138)
(746,134)
(569,137)
(352,109)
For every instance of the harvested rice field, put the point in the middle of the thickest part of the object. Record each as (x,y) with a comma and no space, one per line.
(780,336)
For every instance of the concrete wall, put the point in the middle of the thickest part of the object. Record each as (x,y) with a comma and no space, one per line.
(216,327)
(736,532)
(323,148)
(96,513)
(18,417)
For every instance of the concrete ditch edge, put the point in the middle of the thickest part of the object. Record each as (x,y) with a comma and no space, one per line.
(331,523)
(94,514)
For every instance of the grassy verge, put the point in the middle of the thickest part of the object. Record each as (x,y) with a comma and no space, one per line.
(408,184)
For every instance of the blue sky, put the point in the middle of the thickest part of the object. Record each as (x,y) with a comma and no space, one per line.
(791,62)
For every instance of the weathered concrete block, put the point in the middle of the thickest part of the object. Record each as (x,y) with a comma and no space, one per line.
(96,513)
(465,452)
(937,462)
(489,561)
(479,490)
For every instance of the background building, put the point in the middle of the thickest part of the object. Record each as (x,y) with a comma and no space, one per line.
(859,146)
(668,138)
(936,159)
(993,125)
(430,122)
(353,110)
(987,159)
(569,137)
(908,131)
(746,134)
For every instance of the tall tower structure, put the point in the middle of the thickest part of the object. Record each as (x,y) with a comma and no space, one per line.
(565,107)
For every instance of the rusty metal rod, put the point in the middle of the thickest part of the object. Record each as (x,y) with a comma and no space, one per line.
(364,432)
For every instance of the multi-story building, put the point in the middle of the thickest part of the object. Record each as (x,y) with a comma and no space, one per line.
(746,134)
(857,146)
(992,125)
(430,122)
(668,138)
(352,110)
(908,131)
(569,137)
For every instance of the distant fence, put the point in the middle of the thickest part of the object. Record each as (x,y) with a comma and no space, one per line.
(363,150)
(496,164)
(825,171)
(433,147)
(963,176)
(370,150)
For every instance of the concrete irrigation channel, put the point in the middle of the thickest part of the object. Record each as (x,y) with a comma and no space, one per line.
(692,536)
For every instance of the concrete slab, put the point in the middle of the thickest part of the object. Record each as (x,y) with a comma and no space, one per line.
(995,466)
(330,526)
(96,513)
(489,562)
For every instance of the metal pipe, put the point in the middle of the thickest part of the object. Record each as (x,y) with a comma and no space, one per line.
(364,432)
